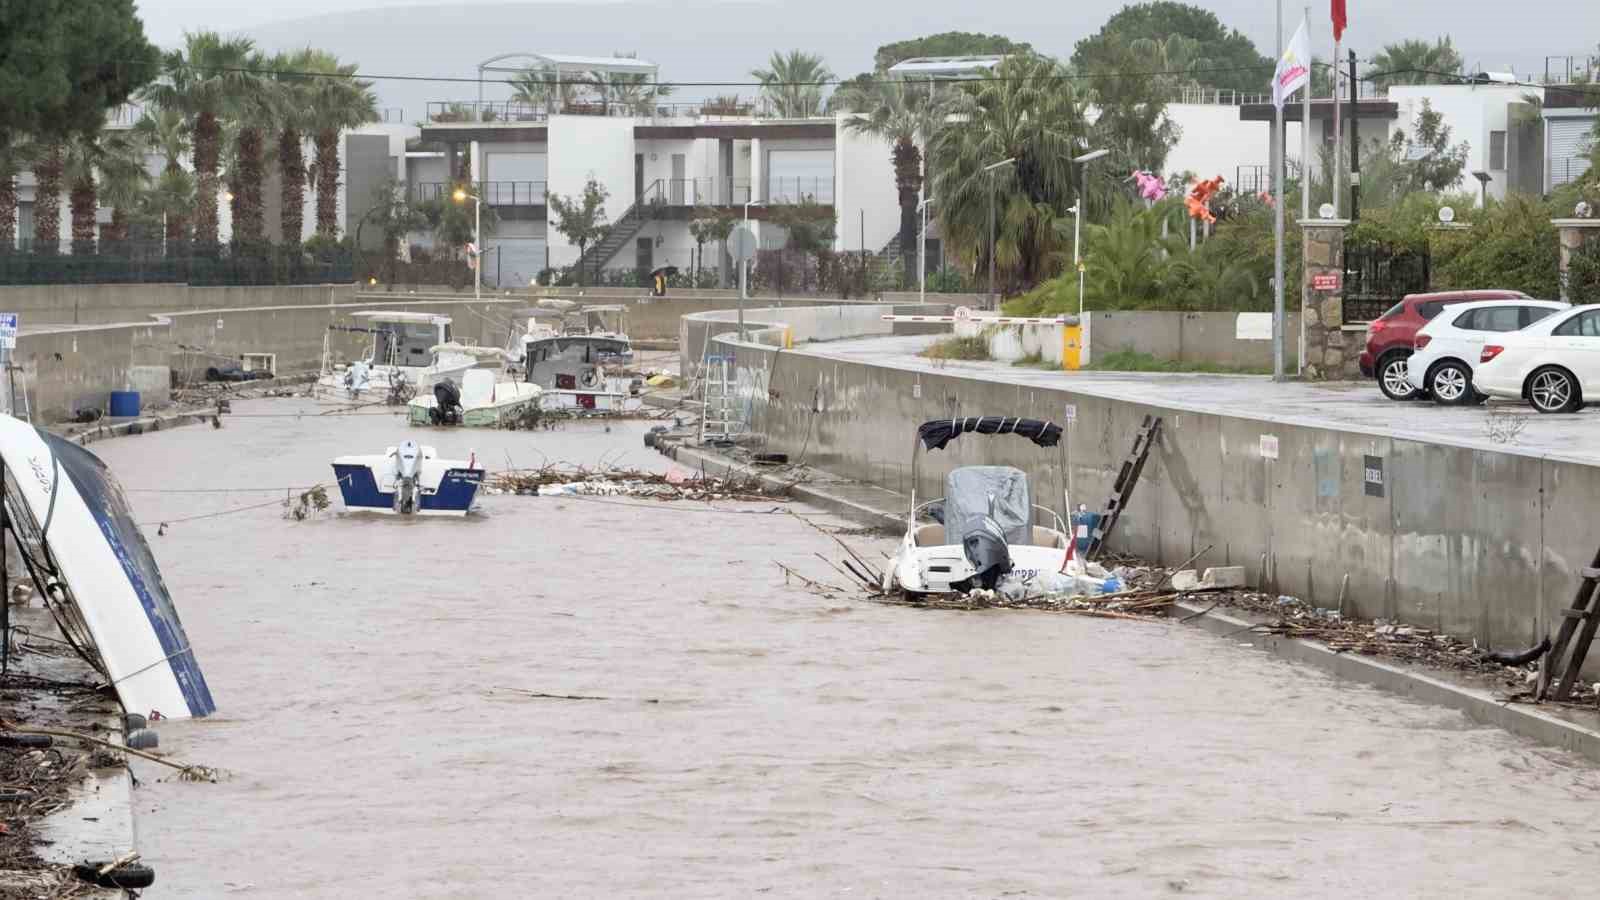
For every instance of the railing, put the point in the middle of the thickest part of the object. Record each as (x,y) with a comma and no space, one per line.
(474,111)
(153,261)
(441,112)
(392,115)
(786,189)
(1378,275)
(1252,179)
(1567,169)
(724,191)
(494,193)
(124,115)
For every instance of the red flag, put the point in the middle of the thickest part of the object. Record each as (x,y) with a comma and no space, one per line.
(1340,19)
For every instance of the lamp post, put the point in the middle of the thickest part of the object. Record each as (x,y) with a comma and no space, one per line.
(922,251)
(990,169)
(1077,217)
(744,267)
(461,196)
(1483,187)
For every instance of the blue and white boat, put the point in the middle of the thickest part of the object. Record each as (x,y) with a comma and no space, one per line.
(408,480)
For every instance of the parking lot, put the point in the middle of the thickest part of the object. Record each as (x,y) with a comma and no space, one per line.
(1348,406)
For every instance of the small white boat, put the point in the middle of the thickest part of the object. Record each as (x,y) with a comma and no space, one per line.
(91,564)
(566,349)
(484,400)
(408,480)
(983,529)
(409,352)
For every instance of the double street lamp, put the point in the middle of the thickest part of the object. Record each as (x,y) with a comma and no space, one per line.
(990,169)
(1077,219)
(461,196)
(922,250)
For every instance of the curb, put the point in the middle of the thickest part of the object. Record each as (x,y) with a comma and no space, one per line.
(1480,705)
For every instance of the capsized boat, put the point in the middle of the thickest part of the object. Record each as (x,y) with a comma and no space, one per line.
(407,480)
(408,353)
(484,400)
(94,569)
(983,529)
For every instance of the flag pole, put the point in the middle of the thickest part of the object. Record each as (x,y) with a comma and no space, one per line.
(1277,223)
(1338,151)
(1305,132)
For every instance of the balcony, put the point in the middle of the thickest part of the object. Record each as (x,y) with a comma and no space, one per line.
(479,112)
(736,192)
(498,194)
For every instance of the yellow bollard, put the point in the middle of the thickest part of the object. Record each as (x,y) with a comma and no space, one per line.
(1071,336)
(788,338)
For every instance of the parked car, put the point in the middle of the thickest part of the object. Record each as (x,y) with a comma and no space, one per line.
(1554,363)
(1389,337)
(1447,349)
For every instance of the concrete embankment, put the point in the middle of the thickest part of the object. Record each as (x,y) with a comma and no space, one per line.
(1480,543)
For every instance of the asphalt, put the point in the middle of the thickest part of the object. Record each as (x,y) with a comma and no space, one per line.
(1346,406)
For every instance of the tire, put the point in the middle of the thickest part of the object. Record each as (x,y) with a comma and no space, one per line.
(1552,389)
(1450,383)
(131,876)
(1392,378)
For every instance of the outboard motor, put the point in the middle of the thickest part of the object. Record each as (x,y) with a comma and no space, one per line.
(408,469)
(986,549)
(446,404)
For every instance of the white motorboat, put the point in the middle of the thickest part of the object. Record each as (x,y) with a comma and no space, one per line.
(484,400)
(984,528)
(566,350)
(408,480)
(92,566)
(408,353)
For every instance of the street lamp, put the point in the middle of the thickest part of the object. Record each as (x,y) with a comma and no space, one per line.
(461,196)
(1077,219)
(744,266)
(922,250)
(1483,187)
(990,169)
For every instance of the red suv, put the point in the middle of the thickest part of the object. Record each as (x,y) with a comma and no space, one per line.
(1389,336)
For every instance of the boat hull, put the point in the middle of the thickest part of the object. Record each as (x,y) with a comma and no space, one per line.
(365,486)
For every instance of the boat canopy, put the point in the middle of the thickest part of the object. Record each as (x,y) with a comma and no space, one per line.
(939,432)
(972,493)
(379,315)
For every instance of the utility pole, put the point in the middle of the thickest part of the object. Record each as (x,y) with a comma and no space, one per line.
(1355,144)
(1277,221)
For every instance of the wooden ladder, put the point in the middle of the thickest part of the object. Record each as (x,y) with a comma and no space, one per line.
(1127,480)
(1586,609)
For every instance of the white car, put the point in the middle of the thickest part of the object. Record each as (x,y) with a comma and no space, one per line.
(1554,364)
(1448,347)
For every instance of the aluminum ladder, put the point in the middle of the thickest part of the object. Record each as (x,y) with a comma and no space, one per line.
(719,401)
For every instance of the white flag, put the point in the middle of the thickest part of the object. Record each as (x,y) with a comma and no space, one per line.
(1294,67)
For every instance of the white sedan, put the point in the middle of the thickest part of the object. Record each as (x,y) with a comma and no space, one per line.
(1448,347)
(1554,364)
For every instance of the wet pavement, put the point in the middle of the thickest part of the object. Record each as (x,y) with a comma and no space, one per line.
(753,738)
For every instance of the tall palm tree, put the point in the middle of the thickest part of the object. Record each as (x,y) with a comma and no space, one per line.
(293,117)
(203,81)
(1028,113)
(47,170)
(87,161)
(903,114)
(1417,62)
(166,131)
(16,154)
(255,109)
(336,100)
(123,181)
(794,83)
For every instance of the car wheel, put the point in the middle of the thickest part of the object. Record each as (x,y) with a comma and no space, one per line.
(1392,378)
(1553,390)
(1451,384)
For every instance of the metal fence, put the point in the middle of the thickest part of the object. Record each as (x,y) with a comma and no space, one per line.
(494,193)
(1378,275)
(156,262)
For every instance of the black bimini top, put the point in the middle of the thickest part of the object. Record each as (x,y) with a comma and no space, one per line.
(939,432)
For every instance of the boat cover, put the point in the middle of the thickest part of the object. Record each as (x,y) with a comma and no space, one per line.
(939,432)
(966,502)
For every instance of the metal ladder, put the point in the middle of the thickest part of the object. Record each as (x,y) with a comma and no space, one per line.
(719,411)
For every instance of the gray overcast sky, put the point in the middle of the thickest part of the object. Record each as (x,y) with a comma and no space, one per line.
(704,40)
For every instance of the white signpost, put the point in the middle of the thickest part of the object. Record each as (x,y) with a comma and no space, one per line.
(8,343)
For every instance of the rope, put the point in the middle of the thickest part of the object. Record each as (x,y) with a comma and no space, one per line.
(238,509)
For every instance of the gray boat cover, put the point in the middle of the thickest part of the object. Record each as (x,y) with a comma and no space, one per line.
(966,502)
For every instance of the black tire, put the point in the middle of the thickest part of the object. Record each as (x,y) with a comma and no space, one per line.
(131,876)
(1391,375)
(1450,383)
(1553,389)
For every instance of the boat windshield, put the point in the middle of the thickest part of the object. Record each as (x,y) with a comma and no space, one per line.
(405,343)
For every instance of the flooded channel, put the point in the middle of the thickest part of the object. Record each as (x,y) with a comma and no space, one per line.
(753,738)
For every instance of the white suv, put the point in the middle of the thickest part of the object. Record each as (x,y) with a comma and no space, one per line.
(1447,348)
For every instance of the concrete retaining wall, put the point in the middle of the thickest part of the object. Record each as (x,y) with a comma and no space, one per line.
(70,368)
(798,325)
(1189,337)
(1483,545)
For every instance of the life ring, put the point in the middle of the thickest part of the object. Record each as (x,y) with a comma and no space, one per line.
(590,379)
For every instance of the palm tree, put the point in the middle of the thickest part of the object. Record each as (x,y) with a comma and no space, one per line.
(544,89)
(794,83)
(1028,113)
(203,81)
(294,118)
(47,170)
(123,182)
(255,109)
(634,91)
(83,162)
(1179,57)
(335,100)
(170,201)
(1417,62)
(166,132)
(16,154)
(902,114)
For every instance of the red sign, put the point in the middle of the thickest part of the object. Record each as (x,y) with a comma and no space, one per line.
(1325,282)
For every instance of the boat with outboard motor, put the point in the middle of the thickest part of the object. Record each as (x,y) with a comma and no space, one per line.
(409,479)
(484,400)
(984,527)
(93,568)
(408,353)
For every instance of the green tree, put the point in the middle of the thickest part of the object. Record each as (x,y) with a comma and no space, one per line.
(48,167)
(1231,59)
(582,220)
(903,114)
(794,83)
(949,43)
(708,225)
(810,228)
(337,100)
(394,216)
(16,154)
(255,111)
(63,63)
(544,89)
(203,81)
(633,91)
(1024,112)
(1407,163)
(1417,62)
(1133,122)
(170,201)
(294,117)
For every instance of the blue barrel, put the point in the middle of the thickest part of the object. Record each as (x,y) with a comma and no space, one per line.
(124,403)
(1083,525)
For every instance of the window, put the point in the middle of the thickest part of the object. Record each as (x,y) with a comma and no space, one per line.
(1430,309)
(1497,151)
(1532,314)
(1582,325)
(1498,318)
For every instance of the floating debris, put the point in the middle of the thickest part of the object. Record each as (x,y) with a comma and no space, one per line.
(563,479)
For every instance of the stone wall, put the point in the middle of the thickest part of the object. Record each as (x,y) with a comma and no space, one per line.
(1331,352)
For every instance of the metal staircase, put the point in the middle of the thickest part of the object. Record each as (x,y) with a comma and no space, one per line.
(646,209)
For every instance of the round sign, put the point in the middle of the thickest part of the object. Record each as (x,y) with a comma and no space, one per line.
(1446,215)
(742,244)
(963,313)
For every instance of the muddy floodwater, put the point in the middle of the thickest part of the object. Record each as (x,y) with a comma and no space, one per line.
(753,739)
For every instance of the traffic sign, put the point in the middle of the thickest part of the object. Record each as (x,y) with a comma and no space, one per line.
(8,330)
(742,244)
